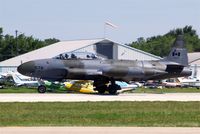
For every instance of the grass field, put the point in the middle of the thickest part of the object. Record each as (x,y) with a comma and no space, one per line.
(164,114)
(25,90)
(167,90)
(18,90)
(138,90)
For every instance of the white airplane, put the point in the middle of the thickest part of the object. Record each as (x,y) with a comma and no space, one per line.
(21,80)
(191,81)
(125,85)
(3,75)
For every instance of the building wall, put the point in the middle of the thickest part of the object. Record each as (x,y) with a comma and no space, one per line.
(6,69)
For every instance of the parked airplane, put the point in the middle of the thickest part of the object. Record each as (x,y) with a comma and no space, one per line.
(3,75)
(23,81)
(189,82)
(103,72)
(125,85)
(192,81)
(81,86)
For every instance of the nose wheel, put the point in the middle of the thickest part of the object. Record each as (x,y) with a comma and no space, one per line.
(42,89)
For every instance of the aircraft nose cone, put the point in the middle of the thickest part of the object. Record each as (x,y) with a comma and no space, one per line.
(26,68)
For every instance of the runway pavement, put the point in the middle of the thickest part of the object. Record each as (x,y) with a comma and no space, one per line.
(36,97)
(98,130)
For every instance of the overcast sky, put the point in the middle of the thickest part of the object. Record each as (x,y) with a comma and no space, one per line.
(84,19)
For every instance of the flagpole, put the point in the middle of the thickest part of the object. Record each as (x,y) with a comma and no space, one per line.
(104,31)
(107,24)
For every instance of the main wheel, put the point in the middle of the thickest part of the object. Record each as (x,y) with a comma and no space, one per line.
(101,89)
(112,89)
(41,89)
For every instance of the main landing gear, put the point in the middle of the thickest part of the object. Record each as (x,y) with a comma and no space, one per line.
(104,85)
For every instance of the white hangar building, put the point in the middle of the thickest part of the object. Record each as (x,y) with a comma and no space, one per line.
(104,47)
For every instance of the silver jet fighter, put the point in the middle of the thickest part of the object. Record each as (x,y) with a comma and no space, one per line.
(104,73)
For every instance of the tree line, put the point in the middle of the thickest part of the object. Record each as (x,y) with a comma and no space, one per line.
(11,46)
(161,45)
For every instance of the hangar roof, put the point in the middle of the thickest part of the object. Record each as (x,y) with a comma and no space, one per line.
(194,58)
(58,48)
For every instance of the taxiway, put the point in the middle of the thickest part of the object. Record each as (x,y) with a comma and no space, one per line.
(49,97)
(99,130)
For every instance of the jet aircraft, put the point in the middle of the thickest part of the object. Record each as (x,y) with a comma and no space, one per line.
(104,73)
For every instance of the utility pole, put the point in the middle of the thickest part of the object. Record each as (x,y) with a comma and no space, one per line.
(16,34)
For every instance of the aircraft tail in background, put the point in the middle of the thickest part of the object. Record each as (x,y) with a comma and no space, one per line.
(21,82)
(178,52)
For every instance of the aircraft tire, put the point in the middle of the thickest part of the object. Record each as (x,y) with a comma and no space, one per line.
(42,89)
(112,89)
(101,89)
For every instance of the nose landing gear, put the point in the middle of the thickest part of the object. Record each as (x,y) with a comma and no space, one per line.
(41,89)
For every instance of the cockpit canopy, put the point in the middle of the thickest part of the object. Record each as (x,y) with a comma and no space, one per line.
(76,55)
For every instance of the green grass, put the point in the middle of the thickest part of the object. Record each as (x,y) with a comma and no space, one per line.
(167,90)
(162,114)
(138,90)
(18,90)
(27,90)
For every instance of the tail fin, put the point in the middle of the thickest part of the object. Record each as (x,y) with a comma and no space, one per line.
(178,52)
(16,79)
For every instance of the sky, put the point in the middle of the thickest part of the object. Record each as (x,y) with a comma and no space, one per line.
(85,19)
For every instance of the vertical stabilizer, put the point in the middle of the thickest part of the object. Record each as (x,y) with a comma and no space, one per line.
(16,79)
(178,52)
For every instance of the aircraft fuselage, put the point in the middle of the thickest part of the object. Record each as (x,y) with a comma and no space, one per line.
(126,70)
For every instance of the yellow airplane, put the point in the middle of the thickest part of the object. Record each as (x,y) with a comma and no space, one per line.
(81,86)
(86,86)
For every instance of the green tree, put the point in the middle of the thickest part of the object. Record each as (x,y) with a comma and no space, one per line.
(11,46)
(51,41)
(160,45)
